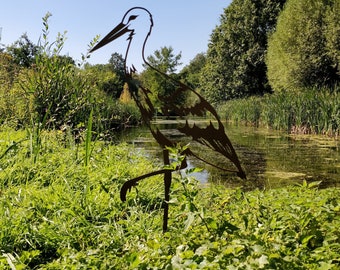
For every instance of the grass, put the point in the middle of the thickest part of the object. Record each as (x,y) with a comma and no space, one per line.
(313,110)
(58,214)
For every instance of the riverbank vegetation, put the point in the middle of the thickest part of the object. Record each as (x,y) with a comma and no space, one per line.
(280,59)
(60,208)
(40,86)
(312,111)
(271,46)
(60,172)
(259,72)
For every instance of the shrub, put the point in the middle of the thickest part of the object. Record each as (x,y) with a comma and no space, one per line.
(14,103)
(304,50)
(64,94)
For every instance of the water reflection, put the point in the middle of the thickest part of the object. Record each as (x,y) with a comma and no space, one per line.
(270,158)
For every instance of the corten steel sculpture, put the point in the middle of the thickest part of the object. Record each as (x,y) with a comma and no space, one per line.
(212,136)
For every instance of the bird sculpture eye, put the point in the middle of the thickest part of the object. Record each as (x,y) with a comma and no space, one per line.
(133,17)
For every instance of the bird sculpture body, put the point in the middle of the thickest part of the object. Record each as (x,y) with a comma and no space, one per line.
(212,136)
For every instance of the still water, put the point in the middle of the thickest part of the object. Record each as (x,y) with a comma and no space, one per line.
(270,158)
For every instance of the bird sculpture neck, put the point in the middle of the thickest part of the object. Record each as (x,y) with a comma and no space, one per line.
(133,41)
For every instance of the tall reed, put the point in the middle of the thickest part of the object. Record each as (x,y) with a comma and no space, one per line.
(88,140)
(313,110)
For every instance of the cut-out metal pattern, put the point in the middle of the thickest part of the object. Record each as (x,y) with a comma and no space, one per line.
(212,136)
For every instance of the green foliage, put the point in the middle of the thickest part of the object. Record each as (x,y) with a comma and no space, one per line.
(310,111)
(109,77)
(15,105)
(61,95)
(115,115)
(55,93)
(8,70)
(47,224)
(235,58)
(190,74)
(23,51)
(165,61)
(304,50)
(117,65)
(105,79)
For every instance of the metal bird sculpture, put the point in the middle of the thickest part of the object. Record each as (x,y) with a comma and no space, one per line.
(212,136)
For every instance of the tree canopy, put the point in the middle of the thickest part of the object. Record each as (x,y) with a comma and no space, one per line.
(190,74)
(236,54)
(166,61)
(304,50)
(23,51)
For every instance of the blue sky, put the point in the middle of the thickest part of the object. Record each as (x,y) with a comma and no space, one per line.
(185,25)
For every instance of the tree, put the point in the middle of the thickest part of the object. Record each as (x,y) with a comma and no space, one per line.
(305,49)
(116,63)
(23,51)
(236,53)
(105,79)
(165,61)
(190,74)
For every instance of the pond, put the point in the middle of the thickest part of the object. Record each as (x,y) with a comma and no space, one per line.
(270,158)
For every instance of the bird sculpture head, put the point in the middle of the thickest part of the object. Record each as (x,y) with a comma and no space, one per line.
(132,24)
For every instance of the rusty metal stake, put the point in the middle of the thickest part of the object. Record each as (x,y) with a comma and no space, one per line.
(167,184)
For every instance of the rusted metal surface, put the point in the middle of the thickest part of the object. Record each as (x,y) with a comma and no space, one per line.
(212,136)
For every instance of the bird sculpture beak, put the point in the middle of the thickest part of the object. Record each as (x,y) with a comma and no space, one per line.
(117,32)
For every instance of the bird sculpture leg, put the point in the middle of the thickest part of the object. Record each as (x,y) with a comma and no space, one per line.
(167,173)
(167,184)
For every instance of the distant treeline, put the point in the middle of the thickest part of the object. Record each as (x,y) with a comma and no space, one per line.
(271,62)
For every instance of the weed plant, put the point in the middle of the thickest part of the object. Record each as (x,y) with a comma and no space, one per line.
(57,213)
(57,93)
(309,111)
